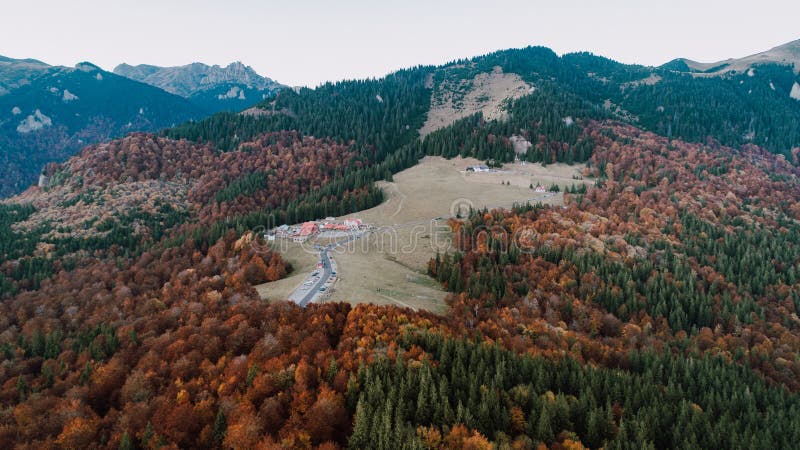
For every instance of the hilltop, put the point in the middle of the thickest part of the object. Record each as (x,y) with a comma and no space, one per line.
(787,54)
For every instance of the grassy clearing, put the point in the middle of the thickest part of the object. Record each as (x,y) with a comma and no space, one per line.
(389,265)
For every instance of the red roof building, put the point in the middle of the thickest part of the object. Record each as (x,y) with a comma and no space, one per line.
(308,228)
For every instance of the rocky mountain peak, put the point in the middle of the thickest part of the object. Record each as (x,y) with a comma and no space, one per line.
(194,78)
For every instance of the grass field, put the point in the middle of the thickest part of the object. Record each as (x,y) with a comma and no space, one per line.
(303,262)
(388,266)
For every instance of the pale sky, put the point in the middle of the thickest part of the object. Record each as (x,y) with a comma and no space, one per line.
(308,42)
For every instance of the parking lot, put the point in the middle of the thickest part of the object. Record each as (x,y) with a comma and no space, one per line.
(320,281)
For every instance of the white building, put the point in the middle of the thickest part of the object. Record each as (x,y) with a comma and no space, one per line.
(352,223)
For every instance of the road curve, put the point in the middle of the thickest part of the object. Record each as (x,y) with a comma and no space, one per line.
(325,259)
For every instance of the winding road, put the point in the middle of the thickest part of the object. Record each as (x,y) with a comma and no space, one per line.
(302,296)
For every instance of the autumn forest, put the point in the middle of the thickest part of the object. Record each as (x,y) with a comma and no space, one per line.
(657,308)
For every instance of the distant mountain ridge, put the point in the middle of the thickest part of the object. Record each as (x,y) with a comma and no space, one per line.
(215,88)
(47,113)
(786,54)
(17,72)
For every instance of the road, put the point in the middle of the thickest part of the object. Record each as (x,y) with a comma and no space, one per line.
(312,292)
(308,293)
(303,297)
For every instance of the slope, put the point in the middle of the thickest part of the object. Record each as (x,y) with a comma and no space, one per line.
(787,54)
(48,113)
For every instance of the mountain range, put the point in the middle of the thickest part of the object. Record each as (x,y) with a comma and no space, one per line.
(213,88)
(47,113)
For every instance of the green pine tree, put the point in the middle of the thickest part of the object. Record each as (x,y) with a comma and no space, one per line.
(125,442)
(220,427)
(544,429)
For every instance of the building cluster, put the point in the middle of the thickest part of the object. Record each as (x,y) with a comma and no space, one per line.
(481,168)
(305,230)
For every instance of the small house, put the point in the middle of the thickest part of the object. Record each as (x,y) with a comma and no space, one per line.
(352,223)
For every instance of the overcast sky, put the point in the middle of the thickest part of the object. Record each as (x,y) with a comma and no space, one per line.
(308,42)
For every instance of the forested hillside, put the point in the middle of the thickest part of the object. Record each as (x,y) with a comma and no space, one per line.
(448,393)
(655,309)
(735,109)
(380,115)
(48,113)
